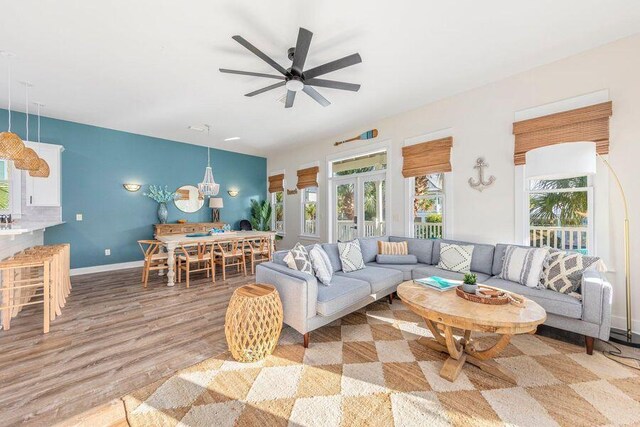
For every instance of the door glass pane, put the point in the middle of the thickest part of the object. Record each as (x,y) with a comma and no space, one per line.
(4,185)
(346,227)
(374,208)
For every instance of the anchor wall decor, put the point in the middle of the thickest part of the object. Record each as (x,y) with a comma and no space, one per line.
(481,184)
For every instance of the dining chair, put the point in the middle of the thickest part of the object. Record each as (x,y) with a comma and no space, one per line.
(230,253)
(258,250)
(154,258)
(200,254)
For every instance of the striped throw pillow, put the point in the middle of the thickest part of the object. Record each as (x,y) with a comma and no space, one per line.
(392,248)
(523,265)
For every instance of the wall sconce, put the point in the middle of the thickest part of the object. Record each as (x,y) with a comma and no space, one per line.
(233,193)
(131,187)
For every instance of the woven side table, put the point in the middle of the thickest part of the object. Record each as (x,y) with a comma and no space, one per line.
(253,322)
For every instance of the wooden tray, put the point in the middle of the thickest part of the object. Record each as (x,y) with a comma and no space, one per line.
(492,297)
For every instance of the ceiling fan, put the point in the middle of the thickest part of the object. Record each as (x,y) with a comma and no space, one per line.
(295,79)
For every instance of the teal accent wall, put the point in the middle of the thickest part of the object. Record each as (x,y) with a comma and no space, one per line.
(97,161)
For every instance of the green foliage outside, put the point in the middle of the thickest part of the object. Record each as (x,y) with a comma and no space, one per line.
(4,195)
(568,209)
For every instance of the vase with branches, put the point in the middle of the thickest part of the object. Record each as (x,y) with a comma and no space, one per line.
(161,195)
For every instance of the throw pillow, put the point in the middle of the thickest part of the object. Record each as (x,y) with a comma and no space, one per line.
(455,257)
(350,256)
(523,265)
(298,259)
(321,264)
(392,248)
(562,271)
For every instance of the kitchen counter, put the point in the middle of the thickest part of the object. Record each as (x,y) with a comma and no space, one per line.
(22,227)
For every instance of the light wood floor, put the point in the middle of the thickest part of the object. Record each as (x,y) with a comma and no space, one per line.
(113,337)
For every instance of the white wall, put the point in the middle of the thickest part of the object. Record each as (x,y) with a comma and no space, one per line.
(481,123)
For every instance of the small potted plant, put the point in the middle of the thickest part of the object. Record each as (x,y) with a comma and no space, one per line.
(161,196)
(469,284)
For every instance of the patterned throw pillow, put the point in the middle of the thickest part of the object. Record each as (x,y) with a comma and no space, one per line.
(392,248)
(321,264)
(455,257)
(562,271)
(523,265)
(351,256)
(298,259)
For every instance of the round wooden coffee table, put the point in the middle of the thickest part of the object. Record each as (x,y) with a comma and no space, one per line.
(445,312)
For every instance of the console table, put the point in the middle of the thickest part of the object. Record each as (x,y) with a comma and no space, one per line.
(186,228)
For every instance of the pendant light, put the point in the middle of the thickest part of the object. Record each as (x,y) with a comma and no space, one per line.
(29,159)
(208,186)
(43,167)
(11,146)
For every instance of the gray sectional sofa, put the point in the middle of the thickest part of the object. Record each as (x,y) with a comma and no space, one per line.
(308,304)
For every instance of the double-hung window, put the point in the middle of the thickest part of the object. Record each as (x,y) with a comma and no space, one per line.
(428,204)
(561,213)
(309,198)
(277,207)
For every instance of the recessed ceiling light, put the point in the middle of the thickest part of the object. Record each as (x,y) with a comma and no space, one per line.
(233,138)
(198,128)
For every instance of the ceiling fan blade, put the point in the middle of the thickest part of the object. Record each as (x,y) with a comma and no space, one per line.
(291,95)
(264,89)
(251,73)
(315,95)
(302,49)
(338,64)
(260,54)
(332,84)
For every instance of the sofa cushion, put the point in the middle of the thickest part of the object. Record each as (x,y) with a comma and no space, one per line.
(278,257)
(498,257)
(334,255)
(432,270)
(342,293)
(406,269)
(379,278)
(369,247)
(553,302)
(421,248)
(396,259)
(481,261)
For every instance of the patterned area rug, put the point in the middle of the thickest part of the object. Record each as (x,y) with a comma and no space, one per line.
(368,369)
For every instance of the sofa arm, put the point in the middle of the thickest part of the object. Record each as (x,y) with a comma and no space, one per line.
(596,300)
(298,292)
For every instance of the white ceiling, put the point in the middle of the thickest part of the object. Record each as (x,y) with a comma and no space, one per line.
(151,66)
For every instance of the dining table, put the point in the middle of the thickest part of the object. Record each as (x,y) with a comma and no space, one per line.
(173,241)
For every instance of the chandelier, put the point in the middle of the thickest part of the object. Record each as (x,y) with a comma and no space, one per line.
(208,186)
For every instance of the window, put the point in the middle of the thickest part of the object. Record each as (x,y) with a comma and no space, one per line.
(427,197)
(5,185)
(560,213)
(310,211)
(277,206)
(360,164)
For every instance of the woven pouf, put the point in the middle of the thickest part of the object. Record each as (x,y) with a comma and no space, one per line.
(253,322)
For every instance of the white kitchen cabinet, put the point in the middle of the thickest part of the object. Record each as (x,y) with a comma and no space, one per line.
(45,191)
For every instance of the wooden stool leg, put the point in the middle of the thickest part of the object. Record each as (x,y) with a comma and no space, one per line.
(46,295)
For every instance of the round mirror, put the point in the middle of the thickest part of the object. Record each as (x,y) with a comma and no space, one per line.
(189,199)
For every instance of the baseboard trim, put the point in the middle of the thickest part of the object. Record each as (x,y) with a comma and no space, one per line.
(105,267)
(620,322)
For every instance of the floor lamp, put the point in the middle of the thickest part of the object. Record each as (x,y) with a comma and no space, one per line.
(626,337)
(579,159)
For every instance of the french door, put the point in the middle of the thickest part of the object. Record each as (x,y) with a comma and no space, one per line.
(359,206)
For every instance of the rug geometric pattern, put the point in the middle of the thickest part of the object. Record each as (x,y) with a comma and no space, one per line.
(367,369)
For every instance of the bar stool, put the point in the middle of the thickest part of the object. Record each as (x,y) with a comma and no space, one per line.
(23,278)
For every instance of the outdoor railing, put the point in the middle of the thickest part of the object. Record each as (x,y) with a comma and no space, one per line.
(371,228)
(427,230)
(566,238)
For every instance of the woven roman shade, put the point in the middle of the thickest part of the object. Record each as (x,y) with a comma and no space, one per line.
(308,177)
(582,124)
(276,183)
(427,157)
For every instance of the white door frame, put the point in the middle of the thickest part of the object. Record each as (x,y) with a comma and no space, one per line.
(371,148)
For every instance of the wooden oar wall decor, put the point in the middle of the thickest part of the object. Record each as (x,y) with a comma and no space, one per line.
(370,134)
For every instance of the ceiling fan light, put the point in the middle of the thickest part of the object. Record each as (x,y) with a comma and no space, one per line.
(294,85)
